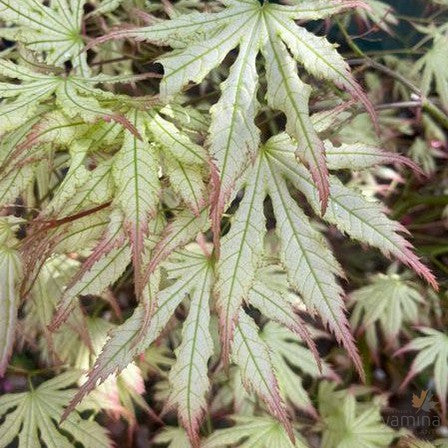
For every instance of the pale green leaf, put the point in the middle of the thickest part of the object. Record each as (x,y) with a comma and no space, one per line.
(35,419)
(173,438)
(241,251)
(189,375)
(347,424)
(10,272)
(253,432)
(251,355)
(388,301)
(124,343)
(432,350)
(286,352)
(432,67)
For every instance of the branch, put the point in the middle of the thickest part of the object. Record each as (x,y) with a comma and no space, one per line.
(426,104)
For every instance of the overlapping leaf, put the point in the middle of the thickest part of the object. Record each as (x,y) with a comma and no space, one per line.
(432,350)
(136,187)
(347,424)
(33,417)
(310,266)
(53,29)
(388,301)
(202,40)
(131,181)
(254,432)
(192,275)
(10,276)
(76,95)
(286,352)
(251,355)
(119,181)
(190,272)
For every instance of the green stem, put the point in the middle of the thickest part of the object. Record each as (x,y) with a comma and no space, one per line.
(427,105)
(351,43)
(420,200)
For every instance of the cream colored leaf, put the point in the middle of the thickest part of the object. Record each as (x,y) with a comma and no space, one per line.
(9,302)
(189,375)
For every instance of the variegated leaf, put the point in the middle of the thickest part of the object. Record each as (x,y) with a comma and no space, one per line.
(189,375)
(251,354)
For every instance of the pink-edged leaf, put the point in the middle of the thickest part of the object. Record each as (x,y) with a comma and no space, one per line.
(277,307)
(309,263)
(189,376)
(358,156)
(251,354)
(240,255)
(184,228)
(135,172)
(121,349)
(353,214)
(10,273)
(319,58)
(104,266)
(289,94)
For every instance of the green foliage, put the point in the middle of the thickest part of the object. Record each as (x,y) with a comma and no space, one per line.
(389,302)
(347,423)
(430,64)
(53,31)
(33,417)
(257,432)
(175,180)
(432,351)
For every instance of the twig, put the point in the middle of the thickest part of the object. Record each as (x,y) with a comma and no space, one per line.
(351,43)
(399,105)
(427,104)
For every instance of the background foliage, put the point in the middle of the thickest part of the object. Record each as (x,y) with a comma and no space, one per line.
(178,267)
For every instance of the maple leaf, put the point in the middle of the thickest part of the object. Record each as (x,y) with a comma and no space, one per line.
(129,183)
(347,423)
(432,349)
(201,42)
(32,417)
(192,275)
(53,30)
(191,272)
(304,253)
(388,301)
(259,432)
(110,185)
(430,65)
